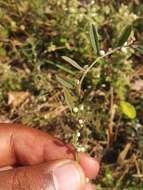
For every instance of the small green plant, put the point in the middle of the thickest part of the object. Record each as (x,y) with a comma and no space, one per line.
(101,60)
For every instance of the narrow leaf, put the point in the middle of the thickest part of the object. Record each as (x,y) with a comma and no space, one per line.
(139,49)
(64,82)
(128,109)
(124,36)
(94,39)
(61,67)
(69,99)
(73,63)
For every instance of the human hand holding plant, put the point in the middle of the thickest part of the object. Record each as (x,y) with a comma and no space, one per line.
(41,162)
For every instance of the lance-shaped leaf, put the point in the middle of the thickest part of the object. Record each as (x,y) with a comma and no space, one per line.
(69,99)
(64,83)
(128,109)
(139,49)
(73,63)
(60,67)
(124,36)
(94,39)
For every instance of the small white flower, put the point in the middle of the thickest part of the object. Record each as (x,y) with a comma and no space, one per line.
(81,125)
(78,149)
(78,134)
(45,116)
(126,43)
(75,109)
(92,2)
(137,126)
(98,75)
(102,52)
(124,50)
(13,23)
(85,66)
(134,16)
(81,121)
(82,149)
(44,99)
(68,135)
(82,107)
(22,27)
(103,85)
(89,86)
(72,10)
(77,82)
(125,14)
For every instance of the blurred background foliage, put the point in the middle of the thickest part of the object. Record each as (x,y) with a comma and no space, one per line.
(103,115)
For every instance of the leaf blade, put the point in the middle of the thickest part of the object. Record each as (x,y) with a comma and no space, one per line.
(73,63)
(60,67)
(124,36)
(69,99)
(128,109)
(139,49)
(94,39)
(64,83)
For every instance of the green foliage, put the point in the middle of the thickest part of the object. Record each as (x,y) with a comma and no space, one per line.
(128,109)
(73,63)
(108,179)
(65,83)
(94,39)
(124,36)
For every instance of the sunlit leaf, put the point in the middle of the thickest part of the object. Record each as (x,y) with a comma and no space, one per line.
(64,83)
(73,63)
(137,85)
(17,98)
(60,67)
(69,99)
(128,109)
(94,39)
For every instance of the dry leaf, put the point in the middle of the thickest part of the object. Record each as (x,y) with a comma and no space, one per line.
(138,85)
(123,153)
(15,99)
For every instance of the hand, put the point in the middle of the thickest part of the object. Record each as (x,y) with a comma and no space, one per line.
(41,162)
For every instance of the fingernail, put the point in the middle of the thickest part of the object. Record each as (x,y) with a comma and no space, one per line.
(90,187)
(69,176)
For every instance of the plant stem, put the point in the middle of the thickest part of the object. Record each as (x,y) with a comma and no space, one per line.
(98,59)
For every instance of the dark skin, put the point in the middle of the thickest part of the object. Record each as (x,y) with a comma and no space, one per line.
(34,150)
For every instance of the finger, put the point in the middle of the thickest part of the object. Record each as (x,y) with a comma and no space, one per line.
(90,187)
(61,175)
(89,165)
(27,146)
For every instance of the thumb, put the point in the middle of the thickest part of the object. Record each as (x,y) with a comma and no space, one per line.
(57,175)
